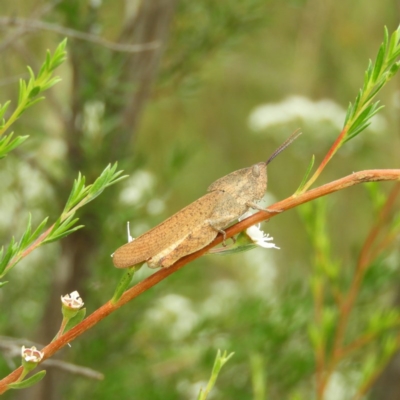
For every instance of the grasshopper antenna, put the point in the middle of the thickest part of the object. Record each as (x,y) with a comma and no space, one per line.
(285,144)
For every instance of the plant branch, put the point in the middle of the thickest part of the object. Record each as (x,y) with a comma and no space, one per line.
(334,148)
(32,24)
(367,255)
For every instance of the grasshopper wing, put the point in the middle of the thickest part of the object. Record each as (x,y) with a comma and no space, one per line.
(169,234)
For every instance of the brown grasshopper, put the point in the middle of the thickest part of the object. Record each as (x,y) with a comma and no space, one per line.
(197,225)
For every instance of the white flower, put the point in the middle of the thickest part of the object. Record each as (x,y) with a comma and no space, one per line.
(30,354)
(260,238)
(72,300)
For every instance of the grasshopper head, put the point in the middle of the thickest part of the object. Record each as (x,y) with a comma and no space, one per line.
(247,184)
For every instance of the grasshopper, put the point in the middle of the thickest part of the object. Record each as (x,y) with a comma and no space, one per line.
(197,225)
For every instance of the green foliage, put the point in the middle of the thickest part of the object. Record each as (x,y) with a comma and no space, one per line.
(377,195)
(219,362)
(125,282)
(80,195)
(6,144)
(199,29)
(33,380)
(28,95)
(15,250)
(62,228)
(335,336)
(258,377)
(359,114)
(75,320)
(242,243)
(306,175)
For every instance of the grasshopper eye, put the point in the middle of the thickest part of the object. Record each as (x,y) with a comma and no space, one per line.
(256,170)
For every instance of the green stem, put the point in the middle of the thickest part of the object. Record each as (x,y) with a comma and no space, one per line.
(124,283)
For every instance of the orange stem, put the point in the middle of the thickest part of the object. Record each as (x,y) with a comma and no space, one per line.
(334,148)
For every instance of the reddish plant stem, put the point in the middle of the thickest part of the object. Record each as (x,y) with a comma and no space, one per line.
(367,255)
(366,387)
(364,258)
(275,209)
(331,152)
(358,343)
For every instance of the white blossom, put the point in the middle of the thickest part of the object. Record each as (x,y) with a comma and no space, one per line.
(260,238)
(31,354)
(72,300)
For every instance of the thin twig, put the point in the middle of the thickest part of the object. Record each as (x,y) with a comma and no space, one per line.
(40,12)
(32,24)
(368,253)
(12,347)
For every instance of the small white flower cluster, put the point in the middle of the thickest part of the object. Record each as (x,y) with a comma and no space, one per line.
(72,300)
(257,235)
(31,354)
(260,238)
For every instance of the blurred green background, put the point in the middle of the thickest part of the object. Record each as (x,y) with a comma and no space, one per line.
(177,116)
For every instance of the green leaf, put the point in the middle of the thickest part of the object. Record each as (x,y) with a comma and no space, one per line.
(22,91)
(50,83)
(7,145)
(16,249)
(306,175)
(363,121)
(34,92)
(28,237)
(393,40)
(4,108)
(77,193)
(378,63)
(348,113)
(107,178)
(80,315)
(219,362)
(359,114)
(125,282)
(11,251)
(393,70)
(64,234)
(25,237)
(31,103)
(222,251)
(38,230)
(28,382)
(31,73)
(59,56)
(375,91)
(61,229)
